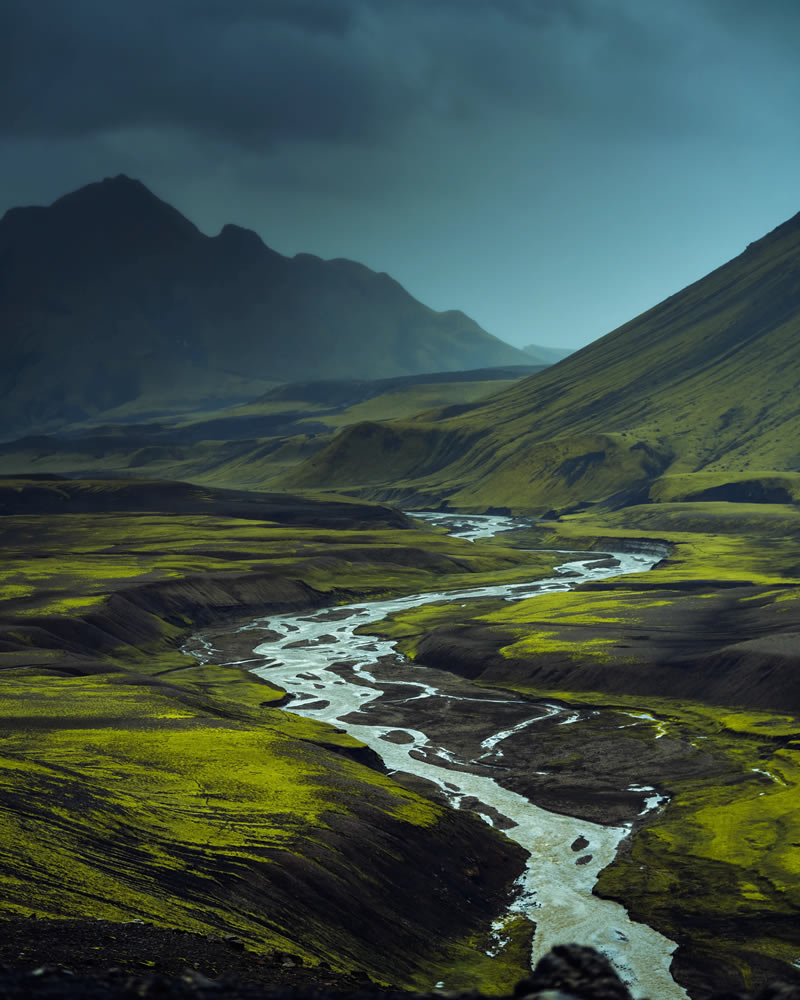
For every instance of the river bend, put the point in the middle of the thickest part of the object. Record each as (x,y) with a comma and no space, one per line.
(401,710)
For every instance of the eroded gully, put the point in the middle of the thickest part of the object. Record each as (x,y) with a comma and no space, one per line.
(444,730)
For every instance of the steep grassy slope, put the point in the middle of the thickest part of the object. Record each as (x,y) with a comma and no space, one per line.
(704,382)
(115,303)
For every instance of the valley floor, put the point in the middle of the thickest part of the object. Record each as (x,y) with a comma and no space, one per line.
(126,768)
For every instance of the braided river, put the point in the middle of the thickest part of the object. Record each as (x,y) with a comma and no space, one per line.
(433,725)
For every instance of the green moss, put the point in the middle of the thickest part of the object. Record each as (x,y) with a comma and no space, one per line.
(480,963)
(63,605)
(684,486)
(722,858)
(174,792)
(120,802)
(58,564)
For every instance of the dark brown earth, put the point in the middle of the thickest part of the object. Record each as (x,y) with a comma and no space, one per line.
(99,959)
(717,645)
(568,972)
(94,947)
(56,495)
(583,771)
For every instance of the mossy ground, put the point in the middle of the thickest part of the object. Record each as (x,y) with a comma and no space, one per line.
(62,563)
(718,868)
(137,784)
(120,802)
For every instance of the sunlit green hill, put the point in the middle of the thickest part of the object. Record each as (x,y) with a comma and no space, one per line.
(697,394)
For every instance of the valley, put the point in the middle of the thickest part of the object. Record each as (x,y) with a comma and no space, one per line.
(246,674)
(334,671)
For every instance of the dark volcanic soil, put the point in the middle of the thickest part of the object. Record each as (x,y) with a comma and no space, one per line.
(93,947)
(581,762)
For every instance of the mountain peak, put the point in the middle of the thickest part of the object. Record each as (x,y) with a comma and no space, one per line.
(119,195)
(243,240)
(118,189)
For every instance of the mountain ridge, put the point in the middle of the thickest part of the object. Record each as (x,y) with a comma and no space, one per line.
(113,297)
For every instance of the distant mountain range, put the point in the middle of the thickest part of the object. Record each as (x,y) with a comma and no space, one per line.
(113,303)
(698,397)
(547,355)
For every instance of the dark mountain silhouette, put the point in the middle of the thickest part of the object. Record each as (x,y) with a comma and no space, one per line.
(112,302)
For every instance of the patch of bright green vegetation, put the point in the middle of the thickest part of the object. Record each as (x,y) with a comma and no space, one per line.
(722,542)
(121,802)
(685,486)
(551,643)
(469,967)
(527,622)
(577,608)
(409,625)
(65,605)
(178,793)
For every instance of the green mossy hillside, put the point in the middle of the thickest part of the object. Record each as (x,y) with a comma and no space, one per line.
(121,802)
(139,784)
(253,445)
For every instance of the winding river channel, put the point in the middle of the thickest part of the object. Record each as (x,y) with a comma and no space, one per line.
(444,730)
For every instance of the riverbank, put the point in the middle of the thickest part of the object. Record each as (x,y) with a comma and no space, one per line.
(96,604)
(139,785)
(333,674)
(702,652)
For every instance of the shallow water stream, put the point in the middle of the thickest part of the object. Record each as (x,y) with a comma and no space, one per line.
(453,734)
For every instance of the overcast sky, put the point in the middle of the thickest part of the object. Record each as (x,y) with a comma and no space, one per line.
(551,167)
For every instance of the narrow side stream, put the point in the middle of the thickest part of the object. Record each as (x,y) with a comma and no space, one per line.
(445,730)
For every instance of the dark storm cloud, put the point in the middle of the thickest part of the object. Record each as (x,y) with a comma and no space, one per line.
(492,155)
(251,72)
(255,72)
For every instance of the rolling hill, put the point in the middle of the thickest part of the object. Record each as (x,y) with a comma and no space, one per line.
(252,444)
(113,303)
(698,394)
